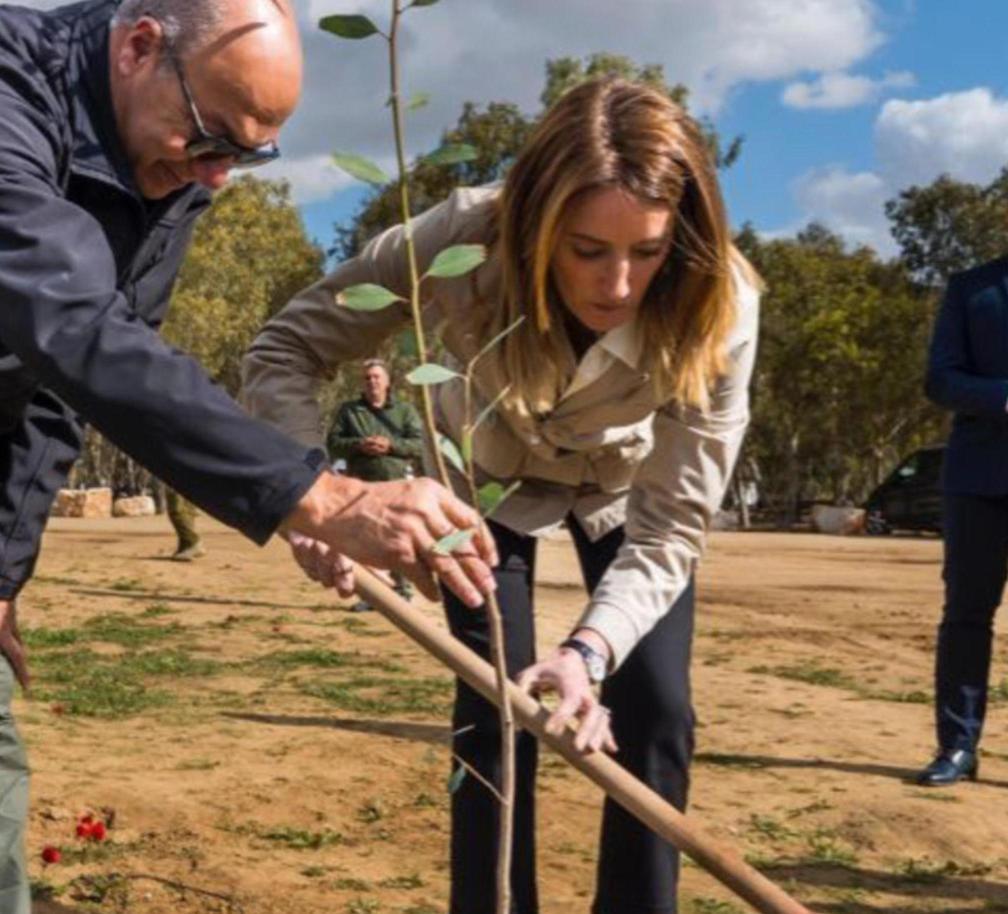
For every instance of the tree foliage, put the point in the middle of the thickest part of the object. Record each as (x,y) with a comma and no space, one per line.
(950,225)
(249,256)
(837,392)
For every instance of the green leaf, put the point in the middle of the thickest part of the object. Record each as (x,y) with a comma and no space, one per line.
(457,260)
(492,494)
(451,452)
(418,101)
(348,26)
(454,540)
(452,154)
(456,779)
(368,297)
(406,343)
(431,373)
(360,168)
(423,2)
(467,451)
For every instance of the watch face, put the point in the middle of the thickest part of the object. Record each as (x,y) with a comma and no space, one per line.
(596,668)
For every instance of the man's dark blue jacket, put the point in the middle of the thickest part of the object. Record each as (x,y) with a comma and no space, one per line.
(86,269)
(968,373)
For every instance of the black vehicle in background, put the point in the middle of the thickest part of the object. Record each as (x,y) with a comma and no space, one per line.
(910,497)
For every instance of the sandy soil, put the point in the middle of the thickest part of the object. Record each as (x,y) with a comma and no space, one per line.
(264,750)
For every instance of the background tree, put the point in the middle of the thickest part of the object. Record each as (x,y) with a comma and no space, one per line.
(837,393)
(950,225)
(249,255)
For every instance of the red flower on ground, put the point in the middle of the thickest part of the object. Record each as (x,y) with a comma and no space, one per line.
(90,828)
(51,854)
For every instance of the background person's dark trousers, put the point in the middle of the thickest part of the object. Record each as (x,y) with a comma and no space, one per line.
(653,724)
(976,560)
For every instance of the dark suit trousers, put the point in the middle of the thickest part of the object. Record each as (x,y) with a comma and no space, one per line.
(976,560)
(653,723)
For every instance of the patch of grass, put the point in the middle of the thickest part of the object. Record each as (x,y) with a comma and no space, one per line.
(769,828)
(301,838)
(385,696)
(313,872)
(43,638)
(816,806)
(125,630)
(326,659)
(155,610)
(371,811)
(926,870)
(363,906)
(127,584)
(914,697)
(349,884)
(825,847)
(413,881)
(809,672)
(93,685)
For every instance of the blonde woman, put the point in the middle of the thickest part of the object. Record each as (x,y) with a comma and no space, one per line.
(626,405)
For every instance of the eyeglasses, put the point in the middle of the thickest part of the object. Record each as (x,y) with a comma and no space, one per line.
(208,146)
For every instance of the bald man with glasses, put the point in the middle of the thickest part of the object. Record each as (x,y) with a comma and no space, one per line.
(118,118)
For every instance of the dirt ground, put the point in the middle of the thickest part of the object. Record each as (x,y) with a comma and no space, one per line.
(261,749)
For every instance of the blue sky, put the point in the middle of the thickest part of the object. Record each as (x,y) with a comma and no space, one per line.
(841,102)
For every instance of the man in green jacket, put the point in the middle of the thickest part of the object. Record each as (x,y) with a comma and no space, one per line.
(379,437)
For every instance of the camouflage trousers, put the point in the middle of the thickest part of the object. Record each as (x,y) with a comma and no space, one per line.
(182,515)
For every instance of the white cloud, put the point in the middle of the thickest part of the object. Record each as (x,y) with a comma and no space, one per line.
(962,133)
(312,177)
(849,203)
(842,90)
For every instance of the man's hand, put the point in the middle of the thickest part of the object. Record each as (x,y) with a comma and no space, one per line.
(394,525)
(322,564)
(376,445)
(10,642)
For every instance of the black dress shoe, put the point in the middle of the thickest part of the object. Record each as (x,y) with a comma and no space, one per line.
(949,766)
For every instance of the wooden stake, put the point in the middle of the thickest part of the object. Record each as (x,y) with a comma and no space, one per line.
(634,796)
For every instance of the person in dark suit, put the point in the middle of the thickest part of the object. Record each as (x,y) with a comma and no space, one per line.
(968,374)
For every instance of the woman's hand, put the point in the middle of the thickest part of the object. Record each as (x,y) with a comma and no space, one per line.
(564,672)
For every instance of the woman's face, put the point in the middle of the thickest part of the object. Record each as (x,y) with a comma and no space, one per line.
(609,247)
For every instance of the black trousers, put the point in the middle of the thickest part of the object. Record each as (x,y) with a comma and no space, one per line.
(652,720)
(976,562)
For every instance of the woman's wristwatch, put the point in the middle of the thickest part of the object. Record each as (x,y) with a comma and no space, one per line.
(594,662)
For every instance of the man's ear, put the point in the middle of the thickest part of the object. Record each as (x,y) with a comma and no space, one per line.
(142,48)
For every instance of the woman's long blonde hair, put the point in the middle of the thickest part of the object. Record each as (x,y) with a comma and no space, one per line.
(615,133)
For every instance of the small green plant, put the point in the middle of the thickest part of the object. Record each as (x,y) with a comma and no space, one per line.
(363,906)
(301,838)
(825,847)
(769,828)
(412,881)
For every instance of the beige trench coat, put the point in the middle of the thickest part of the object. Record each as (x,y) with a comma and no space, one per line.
(608,452)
